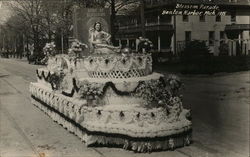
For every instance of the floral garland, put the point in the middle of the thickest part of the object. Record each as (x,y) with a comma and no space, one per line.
(157,93)
(46,78)
(90,91)
(122,63)
(56,79)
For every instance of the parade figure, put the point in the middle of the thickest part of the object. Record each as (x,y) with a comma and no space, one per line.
(100,40)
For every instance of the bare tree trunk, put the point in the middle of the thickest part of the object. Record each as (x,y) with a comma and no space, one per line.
(36,41)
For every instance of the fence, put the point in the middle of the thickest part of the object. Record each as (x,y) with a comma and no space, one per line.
(235,47)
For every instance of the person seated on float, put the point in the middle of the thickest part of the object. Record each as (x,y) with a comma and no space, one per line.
(100,40)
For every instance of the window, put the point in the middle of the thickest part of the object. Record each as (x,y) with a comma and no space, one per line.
(166,18)
(211,38)
(218,18)
(185,18)
(233,17)
(152,18)
(124,43)
(116,42)
(202,18)
(132,44)
(222,35)
(188,36)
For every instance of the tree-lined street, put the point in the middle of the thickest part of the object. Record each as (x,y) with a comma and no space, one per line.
(220,116)
(26,26)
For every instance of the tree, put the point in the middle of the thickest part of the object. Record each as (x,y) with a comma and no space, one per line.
(44,19)
(58,20)
(41,21)
(30,12)
(13,31)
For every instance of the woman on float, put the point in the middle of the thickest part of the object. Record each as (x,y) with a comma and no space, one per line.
(100,40)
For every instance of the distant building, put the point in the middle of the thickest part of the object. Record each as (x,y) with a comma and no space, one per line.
(232,29)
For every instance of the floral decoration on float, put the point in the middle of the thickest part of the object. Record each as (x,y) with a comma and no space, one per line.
(113,99)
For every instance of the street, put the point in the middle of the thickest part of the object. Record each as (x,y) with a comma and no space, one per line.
(220,117)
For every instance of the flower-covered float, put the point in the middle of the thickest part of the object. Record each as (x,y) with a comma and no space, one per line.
(113,100)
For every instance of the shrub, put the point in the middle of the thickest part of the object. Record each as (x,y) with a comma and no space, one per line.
(217,64)
(224,49)
(36,58)
(195,50)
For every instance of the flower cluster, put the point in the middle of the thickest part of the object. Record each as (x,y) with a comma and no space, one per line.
(174,83)
(78,46)
(160,93)
(90,91)
(174,108)
(154,92)
(175,101)
(49,49)
(56,79)
(144,45)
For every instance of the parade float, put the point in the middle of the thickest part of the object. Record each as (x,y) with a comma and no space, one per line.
(112,98)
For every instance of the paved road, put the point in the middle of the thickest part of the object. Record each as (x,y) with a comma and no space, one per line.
(220,109)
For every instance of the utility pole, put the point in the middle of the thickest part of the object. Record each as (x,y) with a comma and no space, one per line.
(143,18)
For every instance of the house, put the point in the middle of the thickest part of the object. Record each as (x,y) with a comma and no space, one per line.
(170,33)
